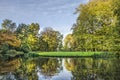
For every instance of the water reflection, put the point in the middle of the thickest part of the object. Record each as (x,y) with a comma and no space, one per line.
(48,67)
(53,69)
(60,69)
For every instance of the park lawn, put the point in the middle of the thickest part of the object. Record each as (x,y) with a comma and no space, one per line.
(68,54)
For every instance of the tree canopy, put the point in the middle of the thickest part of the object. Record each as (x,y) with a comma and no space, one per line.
(96,28)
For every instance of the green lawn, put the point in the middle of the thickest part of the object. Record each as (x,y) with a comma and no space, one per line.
(67,54)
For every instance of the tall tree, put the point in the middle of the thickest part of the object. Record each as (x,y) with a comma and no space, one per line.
(116,8)
(95,25)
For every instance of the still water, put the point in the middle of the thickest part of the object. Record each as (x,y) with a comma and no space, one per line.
(60,69)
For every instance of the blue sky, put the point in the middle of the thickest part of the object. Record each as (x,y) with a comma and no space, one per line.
(58,14)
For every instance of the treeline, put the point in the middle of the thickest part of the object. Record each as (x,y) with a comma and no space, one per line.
(26,37)
(97,27)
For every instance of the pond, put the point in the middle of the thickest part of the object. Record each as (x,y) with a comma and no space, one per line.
(60,69)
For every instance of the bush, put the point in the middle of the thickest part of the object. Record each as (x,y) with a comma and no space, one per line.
(20,53)
(0,51)
(25,48)
(4,48)
(11,52)
(1,56)
(31,55)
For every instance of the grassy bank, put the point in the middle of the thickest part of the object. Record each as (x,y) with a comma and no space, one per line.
(71,54)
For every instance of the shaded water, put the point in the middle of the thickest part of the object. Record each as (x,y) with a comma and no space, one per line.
(60,69)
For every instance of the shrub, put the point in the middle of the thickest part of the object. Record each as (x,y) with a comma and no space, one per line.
(1,56)
(4,48)
(11,52)
(20,52)
(0,51)
(25,48)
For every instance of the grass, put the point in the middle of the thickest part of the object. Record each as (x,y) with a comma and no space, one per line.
(66,54)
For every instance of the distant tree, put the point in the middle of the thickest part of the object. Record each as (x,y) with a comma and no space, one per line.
(52,39)
(34,28)
(69,43)
(49,67)
(8,25)
(28,35)
(32,38)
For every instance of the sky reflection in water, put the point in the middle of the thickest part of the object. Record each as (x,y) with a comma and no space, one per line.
(62,75)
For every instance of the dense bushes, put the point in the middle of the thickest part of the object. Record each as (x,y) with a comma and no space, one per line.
(12,53)
(25,48)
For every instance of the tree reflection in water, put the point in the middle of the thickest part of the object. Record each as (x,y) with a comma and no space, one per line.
(49,67)
(18,69)
(94,69)
(60,69)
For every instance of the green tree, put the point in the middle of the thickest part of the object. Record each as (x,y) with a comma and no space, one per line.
(52,39)
(49,66)
(116,7)
(69,42)
(95,24)
(22,34)
(28,35)
(8,25)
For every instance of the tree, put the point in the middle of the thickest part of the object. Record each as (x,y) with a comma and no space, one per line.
(116,8)
(8,25)
(22,34)
(8,41)
(32,38)
(94,27)
(28,35)
(69,42)
(49,66)
(34,28)
(52,39)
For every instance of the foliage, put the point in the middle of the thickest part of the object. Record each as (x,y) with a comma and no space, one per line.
(116,7)
(11,52)
(49,67)
(10,39)
(51,39)
(69,42)
(95,28)
(25,48)
(4,48)
(8,25)
(9,66)
(28,35)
